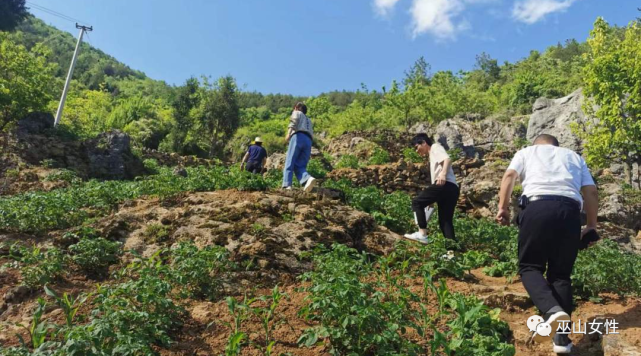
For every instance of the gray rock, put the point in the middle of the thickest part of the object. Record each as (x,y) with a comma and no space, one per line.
(555,116)
(16,294)
(448,135)
(421,127)
(35,123)
(275,161)
(110,157)
(180,171)
(616,168)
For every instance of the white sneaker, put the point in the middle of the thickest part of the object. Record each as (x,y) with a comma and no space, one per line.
(561,344)
(561,349)
(417,236)
(288,188)
(309,185)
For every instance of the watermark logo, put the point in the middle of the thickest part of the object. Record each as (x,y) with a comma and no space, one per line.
(536,324)
(533,321)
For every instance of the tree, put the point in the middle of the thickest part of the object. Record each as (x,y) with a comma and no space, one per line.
(418,74)
(613,86)
(25,81)
(320,110)
(407,103)
(218,115)
(12,12)
(185,101)
(489,66)
(86,111)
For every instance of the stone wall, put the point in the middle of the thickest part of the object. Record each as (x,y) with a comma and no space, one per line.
(403,176)
(174,159)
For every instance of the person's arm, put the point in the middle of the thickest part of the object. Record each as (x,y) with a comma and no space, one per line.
(442,177)
(290,132)
(591,206)
(505,194)
(242,163)
(293,123)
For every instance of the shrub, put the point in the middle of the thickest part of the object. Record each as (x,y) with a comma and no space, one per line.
(316,168)
(151,165)
(356,318)
(37,267)
(604,267)
(155,233)
(379,156)
(347,161)
(65,175)
(410,155)
(95,256)
(198,270)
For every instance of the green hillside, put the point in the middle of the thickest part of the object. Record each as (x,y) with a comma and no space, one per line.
(201,115)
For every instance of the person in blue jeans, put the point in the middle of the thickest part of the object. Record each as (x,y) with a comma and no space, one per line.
(300,134)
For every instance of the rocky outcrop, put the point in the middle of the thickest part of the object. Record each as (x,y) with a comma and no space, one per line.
(107,156)
(556,116)
(275,161)
(476,137)
(362,143)
(110,157)
(270,230)
(35,123)
(403,176)
(174,159)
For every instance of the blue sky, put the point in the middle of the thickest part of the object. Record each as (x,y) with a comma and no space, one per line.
(305,47)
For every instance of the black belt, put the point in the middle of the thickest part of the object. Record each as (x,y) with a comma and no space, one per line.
(524,200)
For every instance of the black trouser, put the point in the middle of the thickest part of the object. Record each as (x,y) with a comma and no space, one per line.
(446,196)
(253,167)
(549,235)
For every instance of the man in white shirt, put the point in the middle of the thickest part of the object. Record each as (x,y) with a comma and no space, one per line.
(443,191)
(556,184)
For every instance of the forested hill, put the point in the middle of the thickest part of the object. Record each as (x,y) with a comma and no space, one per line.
(97,70)
(216,118)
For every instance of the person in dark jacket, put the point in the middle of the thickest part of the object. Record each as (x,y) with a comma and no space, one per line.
(255,158)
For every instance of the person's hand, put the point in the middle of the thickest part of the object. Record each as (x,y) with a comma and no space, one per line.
(241,166)
(503,217)
(287,138)
(585,231)
(440,180)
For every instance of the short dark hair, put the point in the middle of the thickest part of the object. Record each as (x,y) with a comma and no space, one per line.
(258,143)
(420,138)
(300,106)
(545,138)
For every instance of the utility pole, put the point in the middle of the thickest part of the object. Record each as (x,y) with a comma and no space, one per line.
(70,74)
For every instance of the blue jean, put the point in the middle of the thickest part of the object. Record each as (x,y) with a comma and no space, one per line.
(298,154)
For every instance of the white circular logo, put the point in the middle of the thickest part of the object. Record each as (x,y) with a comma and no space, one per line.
(533,321)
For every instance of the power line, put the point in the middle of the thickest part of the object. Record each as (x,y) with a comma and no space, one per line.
(89,39)
(55,13)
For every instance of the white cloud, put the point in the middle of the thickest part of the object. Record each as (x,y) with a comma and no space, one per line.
(383,7)
(437,17)
(440,18)
(531,11)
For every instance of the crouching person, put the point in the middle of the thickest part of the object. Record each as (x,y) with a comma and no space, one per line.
(443,190)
